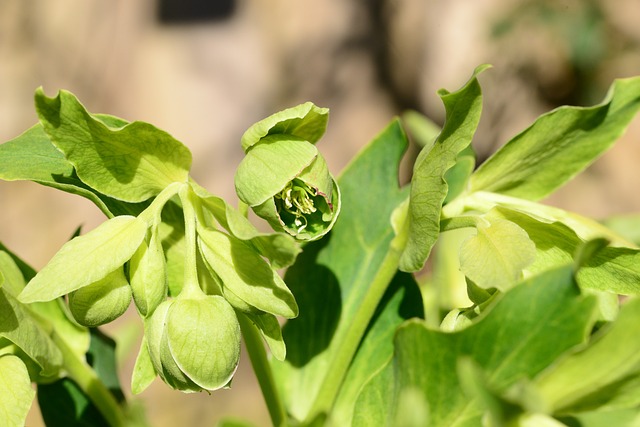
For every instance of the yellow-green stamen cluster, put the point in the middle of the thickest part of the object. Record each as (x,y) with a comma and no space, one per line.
(296,199)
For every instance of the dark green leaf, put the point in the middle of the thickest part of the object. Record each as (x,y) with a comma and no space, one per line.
(526,331)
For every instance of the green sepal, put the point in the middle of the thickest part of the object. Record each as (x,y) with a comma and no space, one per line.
(133,162)
(280,249)
(245,273)
(101,302)
(148,274)
(210,324)
(87,259)
(305,121)
(143,371)
(159,353)
(270,330)
(270,165)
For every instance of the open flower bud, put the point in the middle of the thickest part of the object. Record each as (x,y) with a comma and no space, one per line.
(194,343)
(102,301)
(284,178)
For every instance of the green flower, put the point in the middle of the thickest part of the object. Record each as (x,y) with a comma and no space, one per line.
(283,177)
(194,342)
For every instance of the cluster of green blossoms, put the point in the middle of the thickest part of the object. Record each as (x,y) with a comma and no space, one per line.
(192,264)
(284,179)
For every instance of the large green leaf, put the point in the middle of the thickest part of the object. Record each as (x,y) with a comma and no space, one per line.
(348,273)
(32,157)
(558,145)
(429,187)
(522,334)
(132,163)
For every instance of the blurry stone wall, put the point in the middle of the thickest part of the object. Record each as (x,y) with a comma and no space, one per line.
(206,80)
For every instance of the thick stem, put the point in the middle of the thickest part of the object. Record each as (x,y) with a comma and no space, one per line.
(191,288)
(88,381)
(258,356)
(349,343)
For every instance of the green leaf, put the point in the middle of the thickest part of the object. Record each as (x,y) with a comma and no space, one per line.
(559,145)
(87,259)
(522,334)
(31,156)
(458,176)
(304,121)
(590,378)
(375,404)
(63,404)
(610,269)
(341,270)
(16,394)
(401,301)
(428,185)
(246,273)
(497,254)
(102,358)
(618,418)
(49,315)
(18,326)
(27,271)
(132,163)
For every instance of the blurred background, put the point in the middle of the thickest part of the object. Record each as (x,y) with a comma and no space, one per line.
(206,70)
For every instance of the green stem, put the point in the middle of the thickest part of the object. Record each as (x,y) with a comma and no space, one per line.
(153,211)
(86,378)
(344,353)
(191,288)
(258,356)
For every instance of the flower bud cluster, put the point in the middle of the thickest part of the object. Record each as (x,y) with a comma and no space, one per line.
(191,263)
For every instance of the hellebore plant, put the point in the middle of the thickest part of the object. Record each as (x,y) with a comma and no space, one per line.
(518,319)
